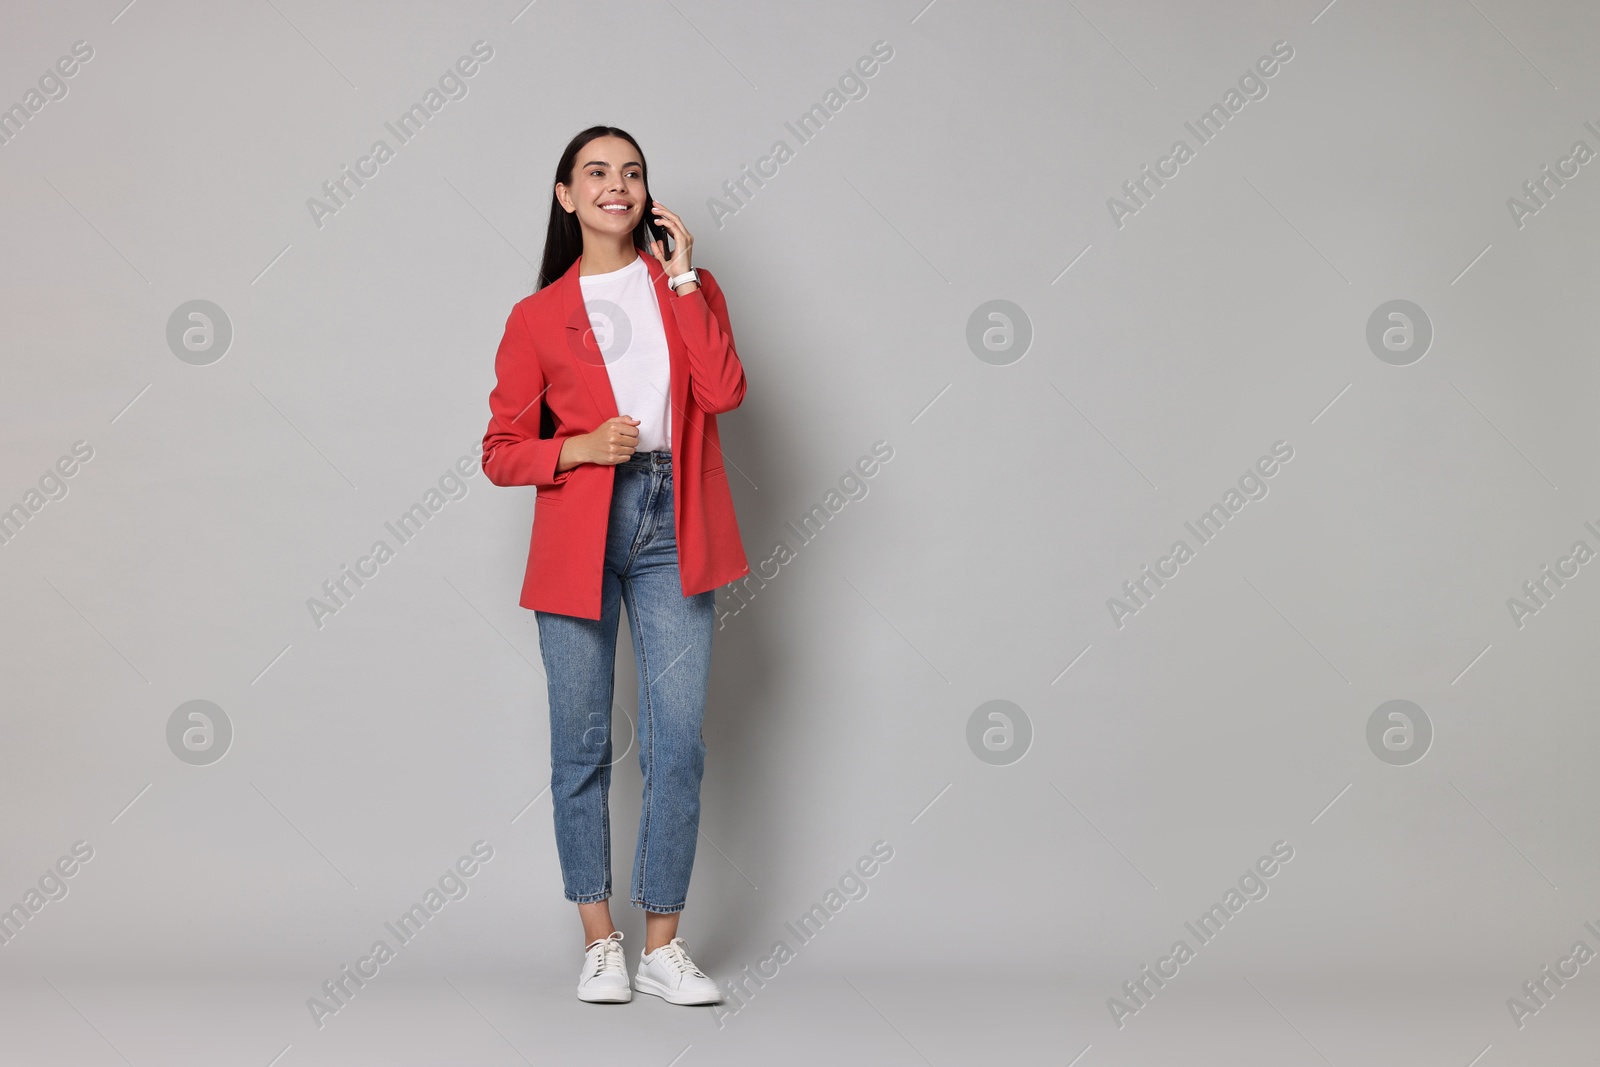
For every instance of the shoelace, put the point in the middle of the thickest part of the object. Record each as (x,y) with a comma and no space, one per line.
(676,953)
(609,959)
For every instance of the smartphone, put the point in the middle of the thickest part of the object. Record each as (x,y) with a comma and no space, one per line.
(657,233)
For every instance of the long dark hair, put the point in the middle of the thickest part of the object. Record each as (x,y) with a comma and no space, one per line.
(563,239)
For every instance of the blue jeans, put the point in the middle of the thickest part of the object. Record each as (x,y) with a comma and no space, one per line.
(672,648)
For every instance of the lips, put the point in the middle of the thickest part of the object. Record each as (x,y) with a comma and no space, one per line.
(616,207)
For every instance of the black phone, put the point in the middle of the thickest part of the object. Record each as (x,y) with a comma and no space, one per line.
(657,233)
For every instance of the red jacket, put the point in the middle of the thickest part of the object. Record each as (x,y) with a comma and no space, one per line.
(549,353)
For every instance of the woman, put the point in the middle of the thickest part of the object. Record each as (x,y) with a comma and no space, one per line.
(609,379)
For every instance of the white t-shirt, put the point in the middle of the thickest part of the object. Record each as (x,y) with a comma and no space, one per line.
(626,318)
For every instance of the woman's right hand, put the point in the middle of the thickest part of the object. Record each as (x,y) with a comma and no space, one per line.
(609,444)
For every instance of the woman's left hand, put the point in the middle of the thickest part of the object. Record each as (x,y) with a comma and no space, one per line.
(683,242)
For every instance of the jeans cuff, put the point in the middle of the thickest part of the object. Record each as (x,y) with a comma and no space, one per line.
(665,909)
(587,898)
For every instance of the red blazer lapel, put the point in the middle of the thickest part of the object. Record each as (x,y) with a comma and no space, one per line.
(581,344)
(591,364)
(677,356)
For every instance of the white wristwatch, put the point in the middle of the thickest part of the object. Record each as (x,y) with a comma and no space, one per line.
(690,275)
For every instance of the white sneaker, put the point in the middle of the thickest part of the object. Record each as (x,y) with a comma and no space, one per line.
(670,974)
(604,978)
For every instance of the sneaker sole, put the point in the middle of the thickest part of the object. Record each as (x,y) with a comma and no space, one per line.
(672,996)
(606,996)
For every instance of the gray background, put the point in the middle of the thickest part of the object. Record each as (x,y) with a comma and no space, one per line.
(1167,355)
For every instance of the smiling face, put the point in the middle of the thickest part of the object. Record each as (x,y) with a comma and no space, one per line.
(607,191)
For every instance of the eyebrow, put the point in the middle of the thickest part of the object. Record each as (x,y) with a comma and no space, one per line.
(603,163)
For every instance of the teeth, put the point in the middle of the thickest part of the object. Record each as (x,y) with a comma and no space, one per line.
(617,209)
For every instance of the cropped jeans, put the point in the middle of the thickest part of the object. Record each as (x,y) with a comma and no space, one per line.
(672,649)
